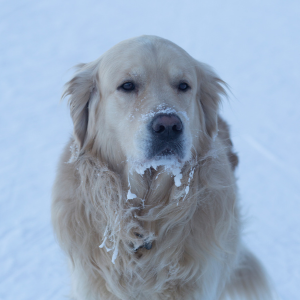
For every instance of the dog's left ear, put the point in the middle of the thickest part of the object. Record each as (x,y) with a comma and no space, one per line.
(211,87)
(80,89)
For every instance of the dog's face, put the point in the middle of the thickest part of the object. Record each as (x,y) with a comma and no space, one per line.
(147,100)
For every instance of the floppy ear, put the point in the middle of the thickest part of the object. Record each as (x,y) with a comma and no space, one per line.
(211,88)
(80,89)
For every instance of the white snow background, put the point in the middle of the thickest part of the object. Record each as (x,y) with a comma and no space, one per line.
(253,45)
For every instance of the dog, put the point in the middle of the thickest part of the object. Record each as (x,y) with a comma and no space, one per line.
(145,202)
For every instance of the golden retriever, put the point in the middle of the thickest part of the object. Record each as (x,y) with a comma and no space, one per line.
(145,202)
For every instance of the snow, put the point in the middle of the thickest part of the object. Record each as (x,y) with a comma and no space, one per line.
(104,240)
(130,195)
(74,152)
(187,188)
(115,254)
(160,109)
(169,164)
(253,45)
(177,176)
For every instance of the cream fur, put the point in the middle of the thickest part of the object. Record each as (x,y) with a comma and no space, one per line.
(104,209)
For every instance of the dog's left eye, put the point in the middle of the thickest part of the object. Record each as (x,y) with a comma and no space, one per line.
(183,86)
(128,86)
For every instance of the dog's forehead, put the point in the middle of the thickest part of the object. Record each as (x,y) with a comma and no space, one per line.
(148,54)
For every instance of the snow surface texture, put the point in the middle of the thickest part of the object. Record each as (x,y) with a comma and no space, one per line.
(253,45)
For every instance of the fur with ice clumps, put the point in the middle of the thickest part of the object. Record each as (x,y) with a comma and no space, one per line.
(170,165)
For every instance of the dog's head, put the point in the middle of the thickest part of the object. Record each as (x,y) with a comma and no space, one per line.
(144,100)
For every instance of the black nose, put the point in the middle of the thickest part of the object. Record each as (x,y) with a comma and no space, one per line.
(167,127)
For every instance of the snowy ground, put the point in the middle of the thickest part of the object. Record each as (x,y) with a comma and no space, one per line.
(253,45)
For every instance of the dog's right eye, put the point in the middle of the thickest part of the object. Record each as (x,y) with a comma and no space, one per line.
(183,87)
(128,86)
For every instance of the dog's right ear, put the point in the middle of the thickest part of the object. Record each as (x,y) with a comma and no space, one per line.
(80,89)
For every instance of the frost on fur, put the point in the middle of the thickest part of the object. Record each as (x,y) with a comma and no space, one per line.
(74,149)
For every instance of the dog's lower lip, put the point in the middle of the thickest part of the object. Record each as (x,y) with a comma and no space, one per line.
(166,152)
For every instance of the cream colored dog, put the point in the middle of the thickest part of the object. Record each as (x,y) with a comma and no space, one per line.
(145,201)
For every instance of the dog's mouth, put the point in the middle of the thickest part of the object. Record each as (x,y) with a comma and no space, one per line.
(166,152)
(169,155)
(160,150)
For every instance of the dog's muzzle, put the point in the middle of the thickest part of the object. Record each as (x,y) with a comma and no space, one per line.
(166,131)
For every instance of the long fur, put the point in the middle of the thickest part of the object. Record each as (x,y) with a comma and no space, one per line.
(194,228)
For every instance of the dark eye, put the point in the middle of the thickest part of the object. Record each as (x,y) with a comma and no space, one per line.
(183,86)
(128,86)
